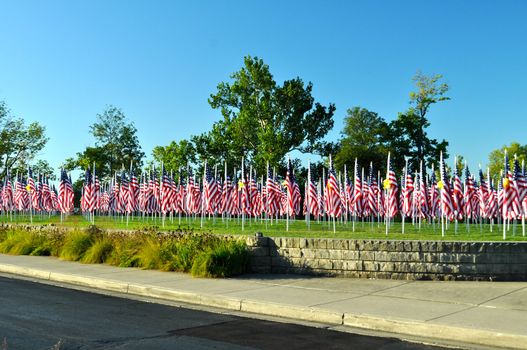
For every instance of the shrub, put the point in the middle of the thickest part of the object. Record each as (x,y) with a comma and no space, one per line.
(75,245)
(25,243)
(149,254)
(223,260)
(99,251)
(125,252)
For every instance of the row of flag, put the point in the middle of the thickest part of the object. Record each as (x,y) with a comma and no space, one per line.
(414,194)
(36,194)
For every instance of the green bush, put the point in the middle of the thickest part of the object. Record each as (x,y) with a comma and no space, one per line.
(203,255)
(25,243)
(223,260)
(149,255)
(125,252)
(99,251)
(75,245)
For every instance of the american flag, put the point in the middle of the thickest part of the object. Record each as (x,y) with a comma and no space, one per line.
(31,188)
(357,192)
(165,189)
(491,207)
(333,201)
(391,202)
(408,190)
(211,192)
(96,191)
(273,195)
(447,208)
(254,195)
(483,194)
(511,204)
(245,199)
(7,195)
(469,193)
(512,193)
(226,195)
(373,192)
(47,201)
(421,195)
(87,200)
(65,197)
(311,196)
(292,191)
(457,194)
(181,202)
(124,191)
(193,198)
(521,181)
(133,195)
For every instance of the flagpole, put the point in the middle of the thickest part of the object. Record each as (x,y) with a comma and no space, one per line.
(505,203)
(355,170)
(30,199)
(308,195)
(241,207)
(403,212)
(387,211)
(442,205)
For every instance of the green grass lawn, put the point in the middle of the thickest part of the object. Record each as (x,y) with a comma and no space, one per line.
(297,228)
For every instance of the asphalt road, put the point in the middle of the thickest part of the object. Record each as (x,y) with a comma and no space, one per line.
(38,316)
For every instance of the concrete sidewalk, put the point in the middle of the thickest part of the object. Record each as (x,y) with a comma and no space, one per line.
(492,314)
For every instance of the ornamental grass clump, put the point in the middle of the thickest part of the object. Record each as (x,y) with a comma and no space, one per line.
(75,245)
(125,251)
(99,251)
(149,254)
(227,258)
(202,254)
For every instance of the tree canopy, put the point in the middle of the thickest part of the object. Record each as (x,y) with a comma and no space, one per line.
(496,157)
(365,137)
(116,145)
(409,129)
(19,142)
(176,155)
(263,120)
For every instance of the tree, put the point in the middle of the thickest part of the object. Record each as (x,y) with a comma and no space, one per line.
(116,145)
(263,121)
(409,139)
(176,155)
(496,157)
(19,143)
(42,167)
(409,136)
(365,137)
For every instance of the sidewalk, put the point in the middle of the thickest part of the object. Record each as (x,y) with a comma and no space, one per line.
(486,313)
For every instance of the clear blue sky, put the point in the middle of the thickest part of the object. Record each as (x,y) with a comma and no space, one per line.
(62,62)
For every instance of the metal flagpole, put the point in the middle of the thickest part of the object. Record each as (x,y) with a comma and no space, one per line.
(243,184)
(387,211)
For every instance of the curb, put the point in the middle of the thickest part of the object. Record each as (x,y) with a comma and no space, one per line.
(433,331)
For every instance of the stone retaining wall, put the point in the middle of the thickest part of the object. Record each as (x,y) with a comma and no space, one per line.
(413,260)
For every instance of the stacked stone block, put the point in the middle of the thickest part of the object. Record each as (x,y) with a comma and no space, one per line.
(390,259)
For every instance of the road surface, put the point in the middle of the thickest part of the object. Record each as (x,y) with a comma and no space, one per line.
(41,316)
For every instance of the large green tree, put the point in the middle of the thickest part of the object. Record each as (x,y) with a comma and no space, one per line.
(262,120)
(116,145)
(365,137)
(496,157)
(19,142)
(409,130)
(176,155)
